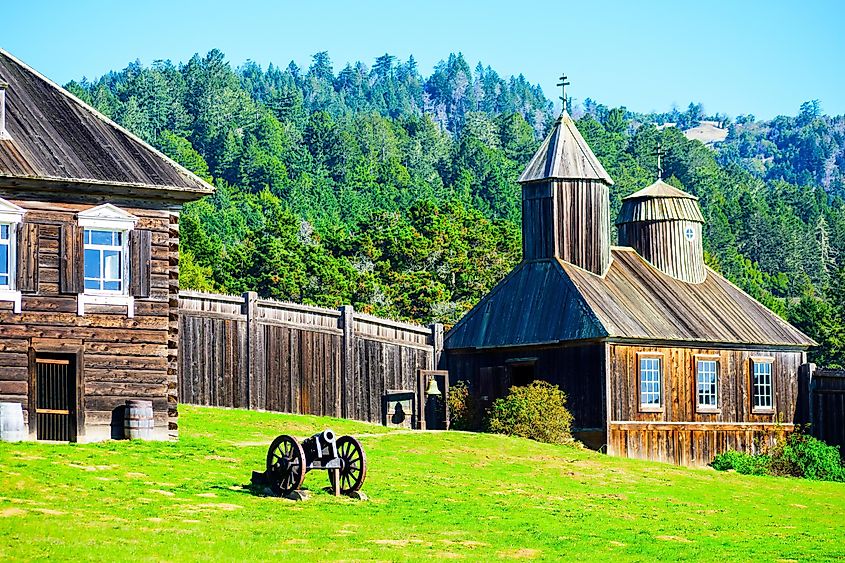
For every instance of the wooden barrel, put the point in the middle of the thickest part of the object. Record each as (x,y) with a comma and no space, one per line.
(138,421)
(11,422)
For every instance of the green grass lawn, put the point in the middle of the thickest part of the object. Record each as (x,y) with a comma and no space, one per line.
(432,495)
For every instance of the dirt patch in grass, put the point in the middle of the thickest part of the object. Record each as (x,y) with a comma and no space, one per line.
(522,553)
(9,512)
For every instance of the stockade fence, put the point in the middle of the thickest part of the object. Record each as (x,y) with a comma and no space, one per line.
(827,406)
(261,354)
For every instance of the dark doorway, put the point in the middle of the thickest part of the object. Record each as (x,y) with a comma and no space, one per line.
(55,407)
(522,374)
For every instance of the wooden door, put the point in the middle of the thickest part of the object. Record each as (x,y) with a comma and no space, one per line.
(55,408)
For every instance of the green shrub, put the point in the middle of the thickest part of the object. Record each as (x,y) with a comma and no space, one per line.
(801,455)
(741,462)
(464,410)
(536,411)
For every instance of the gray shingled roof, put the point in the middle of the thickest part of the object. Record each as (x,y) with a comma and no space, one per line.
(550,301)
(55,137)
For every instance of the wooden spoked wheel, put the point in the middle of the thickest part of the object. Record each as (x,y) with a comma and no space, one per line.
(353,469)
(285,464)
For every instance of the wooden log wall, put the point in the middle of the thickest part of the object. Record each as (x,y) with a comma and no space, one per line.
(678,432)
(241,351)
(119,358)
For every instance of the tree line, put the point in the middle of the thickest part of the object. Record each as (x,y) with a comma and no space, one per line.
(397,193)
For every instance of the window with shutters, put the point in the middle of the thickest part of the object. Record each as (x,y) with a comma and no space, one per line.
(10,218)
(105,274)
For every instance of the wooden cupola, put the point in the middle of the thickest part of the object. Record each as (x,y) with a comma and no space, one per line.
(565,201)
(663,224)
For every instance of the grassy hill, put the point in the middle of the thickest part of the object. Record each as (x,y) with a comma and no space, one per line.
(432,495)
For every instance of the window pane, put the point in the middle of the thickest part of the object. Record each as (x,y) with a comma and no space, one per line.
(111,285)
(4,232)
(112,265)
(118,238)
(650,381)
(4,259)
(92,284)
(4,280)
(92,264)
(101,237)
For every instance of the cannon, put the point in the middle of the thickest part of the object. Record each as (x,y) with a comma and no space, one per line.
(288,461)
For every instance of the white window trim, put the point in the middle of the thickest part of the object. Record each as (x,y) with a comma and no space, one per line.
(709,409)
(763,360)
(650,407)
(12,215)
(111,218)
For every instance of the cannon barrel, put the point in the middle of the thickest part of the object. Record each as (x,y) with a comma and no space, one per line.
(320,446)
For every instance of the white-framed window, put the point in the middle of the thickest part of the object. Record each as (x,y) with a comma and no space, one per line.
(10,217)
(7,256)
(651,383)
(106,272)
(105,257)
(762,391)
(707,384)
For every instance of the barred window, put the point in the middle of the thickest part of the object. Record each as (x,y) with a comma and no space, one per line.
(650,382)
(762,385)
(707,384)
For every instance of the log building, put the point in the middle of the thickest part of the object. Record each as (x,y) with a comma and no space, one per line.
(661,357)
(88,263)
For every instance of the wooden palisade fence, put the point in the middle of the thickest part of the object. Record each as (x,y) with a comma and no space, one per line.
(246,352)
(826,405)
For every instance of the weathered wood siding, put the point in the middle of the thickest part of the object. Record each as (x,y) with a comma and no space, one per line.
(577,370)
(679,433)
(568,219)
(240,351)
(121,358)
(665,246)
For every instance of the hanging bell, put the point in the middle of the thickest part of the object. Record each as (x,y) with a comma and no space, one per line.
(432,388)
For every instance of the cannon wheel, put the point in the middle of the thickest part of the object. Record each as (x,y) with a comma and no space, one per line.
(285,464)
(353,468)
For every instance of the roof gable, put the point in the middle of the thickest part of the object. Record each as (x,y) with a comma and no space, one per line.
(55,137)
(564,155)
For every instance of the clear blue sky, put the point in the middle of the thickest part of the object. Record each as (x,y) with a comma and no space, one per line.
(741,56)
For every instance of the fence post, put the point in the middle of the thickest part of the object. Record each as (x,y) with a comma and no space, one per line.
(349,398)
(804,408)
(250,310)
(437,343)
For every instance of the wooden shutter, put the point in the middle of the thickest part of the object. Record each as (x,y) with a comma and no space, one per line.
(71,259)
(27,257)
(140,256)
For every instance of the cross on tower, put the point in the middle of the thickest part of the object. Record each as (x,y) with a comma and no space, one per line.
(659,153)
(563,84)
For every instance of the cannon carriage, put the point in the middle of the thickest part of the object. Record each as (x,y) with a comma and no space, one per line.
(288,461)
